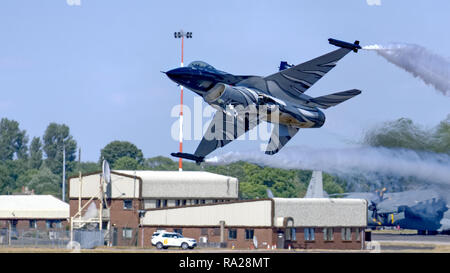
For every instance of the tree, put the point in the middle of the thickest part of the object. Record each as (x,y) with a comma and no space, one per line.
(117,149)
(13,141)
(126,163)
(442,136)
(45,182)
(10,171)
(7,183)
(403,133)
(35,153)
(56,139)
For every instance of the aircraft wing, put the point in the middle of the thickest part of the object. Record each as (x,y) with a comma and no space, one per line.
(281,134)
(296,80)
(224,128)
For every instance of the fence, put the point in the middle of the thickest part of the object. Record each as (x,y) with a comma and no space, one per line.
(89,238)
(44,238)
(34,238)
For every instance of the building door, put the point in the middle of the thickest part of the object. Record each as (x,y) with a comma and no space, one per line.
(289,232)
(280,238)
(114,236)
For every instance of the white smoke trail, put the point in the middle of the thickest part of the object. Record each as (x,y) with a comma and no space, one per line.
(419,61)
(431,167)
(91,212)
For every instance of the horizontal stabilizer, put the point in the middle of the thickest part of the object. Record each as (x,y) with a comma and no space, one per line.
(333,99)
(197,159)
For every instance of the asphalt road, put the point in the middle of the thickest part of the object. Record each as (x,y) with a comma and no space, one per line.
(434,239)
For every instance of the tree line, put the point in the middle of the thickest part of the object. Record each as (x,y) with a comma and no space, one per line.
(38,164)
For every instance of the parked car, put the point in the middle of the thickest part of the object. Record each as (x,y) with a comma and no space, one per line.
(164,239)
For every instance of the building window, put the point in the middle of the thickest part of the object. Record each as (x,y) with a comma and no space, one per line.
(177,203)
(358,234)
(346,234)
(249,234)
(127,233)
(183,202)
(158,204)
(203,201)
(53,223)
(13,224)
(309,234)
(33,224)
(204,231)
(328,234)
(216,231)
(128,204)
(196,201)
(164,203)
(178,230)
(232,234)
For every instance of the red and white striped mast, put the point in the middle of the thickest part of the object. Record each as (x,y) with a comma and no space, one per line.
(181,34)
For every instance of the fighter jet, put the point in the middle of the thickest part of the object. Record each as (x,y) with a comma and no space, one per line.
(242,102)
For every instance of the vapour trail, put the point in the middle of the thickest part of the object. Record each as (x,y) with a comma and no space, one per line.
(419,61)
(426,166)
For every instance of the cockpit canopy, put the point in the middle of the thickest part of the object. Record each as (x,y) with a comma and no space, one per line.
(202,65)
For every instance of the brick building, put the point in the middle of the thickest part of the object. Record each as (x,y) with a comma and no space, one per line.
(205,206)
(307,223)
(131,193)
(31,212)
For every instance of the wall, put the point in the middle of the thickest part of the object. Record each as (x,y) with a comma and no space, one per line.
(263,235)
(24,224)
(266,237)
(243,213)
(320,243)
(119,217)
(121,186)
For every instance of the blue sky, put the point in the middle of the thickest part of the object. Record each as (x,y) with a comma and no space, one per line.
(96,66)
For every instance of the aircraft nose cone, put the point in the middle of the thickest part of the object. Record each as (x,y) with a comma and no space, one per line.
(176,74)
(172,73)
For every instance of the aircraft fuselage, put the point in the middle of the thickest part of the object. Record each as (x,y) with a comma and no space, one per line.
(224,91)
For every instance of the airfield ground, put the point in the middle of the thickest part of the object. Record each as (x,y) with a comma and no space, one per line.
(390,241)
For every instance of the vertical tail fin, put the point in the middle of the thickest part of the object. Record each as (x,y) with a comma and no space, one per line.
(315,187)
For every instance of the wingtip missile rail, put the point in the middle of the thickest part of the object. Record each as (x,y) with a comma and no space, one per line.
(353,46)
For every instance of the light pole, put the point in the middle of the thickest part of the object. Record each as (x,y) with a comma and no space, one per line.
(64,175)
(181,34)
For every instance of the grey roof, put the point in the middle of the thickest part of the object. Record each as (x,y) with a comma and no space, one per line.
(185,184)
(322,212)
(32,207)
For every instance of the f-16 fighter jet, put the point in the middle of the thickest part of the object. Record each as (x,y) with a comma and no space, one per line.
(243,101)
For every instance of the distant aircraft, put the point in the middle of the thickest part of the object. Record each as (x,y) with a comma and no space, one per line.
(422,210)
(243,101)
